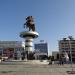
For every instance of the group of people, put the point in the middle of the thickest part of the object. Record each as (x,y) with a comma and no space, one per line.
(62,60)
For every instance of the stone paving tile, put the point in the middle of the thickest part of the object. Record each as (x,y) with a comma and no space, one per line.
(34,69)
(38,73)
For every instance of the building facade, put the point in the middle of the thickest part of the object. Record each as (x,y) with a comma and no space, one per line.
(67,48)
(9,48)
(41,47)
(41,50)
(55,55)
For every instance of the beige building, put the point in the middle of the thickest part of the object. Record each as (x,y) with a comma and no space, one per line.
(67,46)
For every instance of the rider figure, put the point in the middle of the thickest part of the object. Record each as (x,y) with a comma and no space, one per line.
(29,23)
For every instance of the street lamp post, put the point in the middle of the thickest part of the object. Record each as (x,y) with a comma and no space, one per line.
(70,52)
(70,47)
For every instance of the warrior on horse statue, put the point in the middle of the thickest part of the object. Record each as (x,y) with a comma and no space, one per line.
(29,23)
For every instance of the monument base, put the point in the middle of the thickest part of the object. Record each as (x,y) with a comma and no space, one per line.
(29,36)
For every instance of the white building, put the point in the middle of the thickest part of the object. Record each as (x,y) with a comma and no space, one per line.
(8,48)
(55,53)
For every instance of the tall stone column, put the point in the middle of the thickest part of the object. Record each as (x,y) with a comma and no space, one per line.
(29,36)
(29,44)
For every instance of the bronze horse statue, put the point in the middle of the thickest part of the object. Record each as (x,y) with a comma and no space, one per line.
(29,23)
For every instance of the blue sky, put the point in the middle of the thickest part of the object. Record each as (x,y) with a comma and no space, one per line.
(54,19)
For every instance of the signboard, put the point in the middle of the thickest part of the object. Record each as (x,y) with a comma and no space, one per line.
(8,52)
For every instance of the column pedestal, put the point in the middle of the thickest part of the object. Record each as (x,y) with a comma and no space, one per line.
(29,36)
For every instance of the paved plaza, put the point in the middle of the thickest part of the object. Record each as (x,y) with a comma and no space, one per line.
(34,69)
